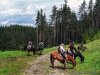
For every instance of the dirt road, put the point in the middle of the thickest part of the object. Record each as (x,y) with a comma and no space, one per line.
(42,66)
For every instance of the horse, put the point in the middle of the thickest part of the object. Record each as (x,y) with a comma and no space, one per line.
(33,49)
(82,48)
(76,53)
(56,56)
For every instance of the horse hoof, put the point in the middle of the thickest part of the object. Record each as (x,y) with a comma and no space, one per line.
(74,67)
(53,68)
(64,69)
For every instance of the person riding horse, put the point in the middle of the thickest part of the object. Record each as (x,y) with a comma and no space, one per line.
(72,51)
(62,51)
(75,53)
(55,55)
(29,46)
(41,45)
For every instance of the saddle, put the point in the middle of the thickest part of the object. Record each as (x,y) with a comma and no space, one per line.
(61,56)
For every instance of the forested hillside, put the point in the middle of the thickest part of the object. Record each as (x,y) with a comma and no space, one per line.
(66,25)
(62,26)
(16,37)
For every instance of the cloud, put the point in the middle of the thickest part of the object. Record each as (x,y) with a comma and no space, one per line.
(24,11)
(11,11)
(5,22)
(4,2)
(74,4)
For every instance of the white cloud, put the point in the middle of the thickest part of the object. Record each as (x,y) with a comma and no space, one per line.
(74,4)
(5,22)
(4,2)
(29,7)
(29,10)
(16,11)
(11,11)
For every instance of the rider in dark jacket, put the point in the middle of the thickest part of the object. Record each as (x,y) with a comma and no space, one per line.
(72,48)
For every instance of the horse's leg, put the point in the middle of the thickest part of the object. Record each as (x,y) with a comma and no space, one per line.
(52,61)
(75,56)
(28,52)
(64,65)
(41,51)
(70,58)
(81,57)
(34,50)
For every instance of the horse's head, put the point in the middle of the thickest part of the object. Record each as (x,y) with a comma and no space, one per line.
(74,63)
(70,58)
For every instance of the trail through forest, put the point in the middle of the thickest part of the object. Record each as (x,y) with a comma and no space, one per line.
(42,66)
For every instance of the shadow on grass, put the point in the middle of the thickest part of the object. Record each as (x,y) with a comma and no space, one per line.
(60,67)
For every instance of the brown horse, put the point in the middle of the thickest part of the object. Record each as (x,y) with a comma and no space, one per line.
(56,56)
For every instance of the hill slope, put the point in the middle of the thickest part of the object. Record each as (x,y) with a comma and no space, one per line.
(14,62)
(91,65)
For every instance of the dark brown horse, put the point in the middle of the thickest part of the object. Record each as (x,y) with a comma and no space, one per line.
(56,56)
(33,49)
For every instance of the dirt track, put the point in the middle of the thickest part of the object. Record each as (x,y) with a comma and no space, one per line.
(42,66)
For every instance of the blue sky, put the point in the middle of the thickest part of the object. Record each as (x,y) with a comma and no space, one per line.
(24,11)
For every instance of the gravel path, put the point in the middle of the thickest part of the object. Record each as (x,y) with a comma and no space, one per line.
(42,66)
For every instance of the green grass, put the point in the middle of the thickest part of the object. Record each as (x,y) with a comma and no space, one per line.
(7,54)
(14,62)
(91,66)
(47,50)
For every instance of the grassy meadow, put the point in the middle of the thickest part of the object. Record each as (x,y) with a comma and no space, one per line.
(15,62)
(12,62)
(91,65)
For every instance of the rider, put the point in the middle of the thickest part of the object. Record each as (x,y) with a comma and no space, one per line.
(41,45)
(71,44)
(29,46)
(62,51)
(72,48)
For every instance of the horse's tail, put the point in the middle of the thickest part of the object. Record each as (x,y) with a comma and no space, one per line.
(51,59)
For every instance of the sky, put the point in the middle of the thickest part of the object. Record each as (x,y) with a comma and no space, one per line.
(24,12)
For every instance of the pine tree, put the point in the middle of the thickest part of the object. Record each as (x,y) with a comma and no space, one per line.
(90,17)
(83,14)
(41,23)
(97,14)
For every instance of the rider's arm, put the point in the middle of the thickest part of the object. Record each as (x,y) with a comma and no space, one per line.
(61,48)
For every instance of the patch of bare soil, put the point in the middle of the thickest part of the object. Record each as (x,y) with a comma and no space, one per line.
(42,66)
